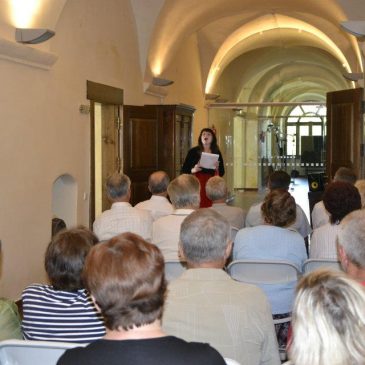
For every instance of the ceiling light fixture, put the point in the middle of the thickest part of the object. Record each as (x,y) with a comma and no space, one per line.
(157,81)
(33,36)
(353,76)
(354,27)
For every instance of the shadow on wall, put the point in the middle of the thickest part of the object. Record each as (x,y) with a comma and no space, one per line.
(64,199)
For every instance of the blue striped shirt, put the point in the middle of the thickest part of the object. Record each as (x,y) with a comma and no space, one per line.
(56,315)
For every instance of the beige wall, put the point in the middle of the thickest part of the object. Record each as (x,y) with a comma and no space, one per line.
(43,135)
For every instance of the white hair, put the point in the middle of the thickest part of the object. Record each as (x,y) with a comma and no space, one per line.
(216,188)
(351,236)
(204,236)
(184,192)
(328,321)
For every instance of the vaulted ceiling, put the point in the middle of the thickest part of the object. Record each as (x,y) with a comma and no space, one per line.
(250,50)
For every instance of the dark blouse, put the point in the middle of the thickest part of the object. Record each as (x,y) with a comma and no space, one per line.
(193,157)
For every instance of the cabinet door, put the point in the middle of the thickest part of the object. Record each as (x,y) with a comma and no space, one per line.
(140,156)
(182,139)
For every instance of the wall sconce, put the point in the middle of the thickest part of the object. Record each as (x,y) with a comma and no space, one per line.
(354,27)
(157,81)
(211,96)
(33,36)
(353,76)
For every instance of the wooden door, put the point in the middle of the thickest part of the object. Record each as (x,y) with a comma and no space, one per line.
(345,131)
(140,146)
(110,147)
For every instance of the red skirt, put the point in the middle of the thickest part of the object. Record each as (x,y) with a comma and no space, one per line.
(203,178)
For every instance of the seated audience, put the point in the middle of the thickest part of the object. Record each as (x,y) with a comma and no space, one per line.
(9,320)
(360,185)
(217,191)
(351,245)
(206,304)
(184,192)
(339,199)
(328,321)
(320,216)
(63,310)
(279,180)
(121,217)
(275,240)
(125,277)
(158,204)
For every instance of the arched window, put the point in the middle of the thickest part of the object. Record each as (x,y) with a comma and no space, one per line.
(306,121)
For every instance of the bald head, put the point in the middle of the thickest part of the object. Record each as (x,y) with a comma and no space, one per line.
(158,182)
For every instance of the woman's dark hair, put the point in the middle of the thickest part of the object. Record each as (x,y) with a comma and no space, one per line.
(214,146)
(279,208)
(341,198)
(65,257)
(126,277)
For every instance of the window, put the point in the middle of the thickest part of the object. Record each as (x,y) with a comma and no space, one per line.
(304,121)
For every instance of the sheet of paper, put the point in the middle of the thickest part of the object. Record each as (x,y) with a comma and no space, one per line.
(208,160)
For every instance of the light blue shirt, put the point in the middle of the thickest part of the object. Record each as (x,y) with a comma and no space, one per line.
(267,242)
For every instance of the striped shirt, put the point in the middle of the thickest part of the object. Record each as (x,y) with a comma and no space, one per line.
(56,315)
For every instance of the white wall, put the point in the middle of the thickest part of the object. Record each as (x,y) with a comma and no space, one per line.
(43,135)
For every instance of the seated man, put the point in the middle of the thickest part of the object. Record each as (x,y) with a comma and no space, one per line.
(351,245)
(320,215)
(205,304)
(279,180)
(184,192)
(158,204)
(121,217)
(216,190)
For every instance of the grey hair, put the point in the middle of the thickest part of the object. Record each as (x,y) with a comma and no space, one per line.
(117,186)
(360,185)
(204,235)
(158,182)
(328,320)
(216,188)
(351,237)
(345,174)
(184,192)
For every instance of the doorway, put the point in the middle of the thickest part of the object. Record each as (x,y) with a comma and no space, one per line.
(106,124)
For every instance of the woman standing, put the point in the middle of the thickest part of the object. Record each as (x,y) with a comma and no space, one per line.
(207,142)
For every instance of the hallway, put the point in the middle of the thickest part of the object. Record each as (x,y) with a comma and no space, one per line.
(298,189)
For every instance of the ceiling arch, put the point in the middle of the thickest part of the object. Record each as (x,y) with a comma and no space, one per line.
(241,40)
(179,19)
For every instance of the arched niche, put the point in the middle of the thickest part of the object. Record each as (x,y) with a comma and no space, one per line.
(64,199)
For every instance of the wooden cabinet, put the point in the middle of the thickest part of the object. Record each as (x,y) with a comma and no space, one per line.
(155,137)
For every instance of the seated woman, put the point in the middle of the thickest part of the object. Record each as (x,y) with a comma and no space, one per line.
(328,321)
(340,198)
(274,241)
(63,311)
(126,279)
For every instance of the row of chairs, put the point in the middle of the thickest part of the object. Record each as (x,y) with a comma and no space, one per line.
(258,271)
(20,352)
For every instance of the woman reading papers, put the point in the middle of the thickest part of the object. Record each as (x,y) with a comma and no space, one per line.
(204,166)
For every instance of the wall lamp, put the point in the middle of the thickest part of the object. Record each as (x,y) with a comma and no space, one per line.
(354,27)
(33,36)
(157,81)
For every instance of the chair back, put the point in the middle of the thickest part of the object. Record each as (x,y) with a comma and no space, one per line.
(314,264)
(234,231)
(16,352)
(173,269)
(230,361)
(263,271)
